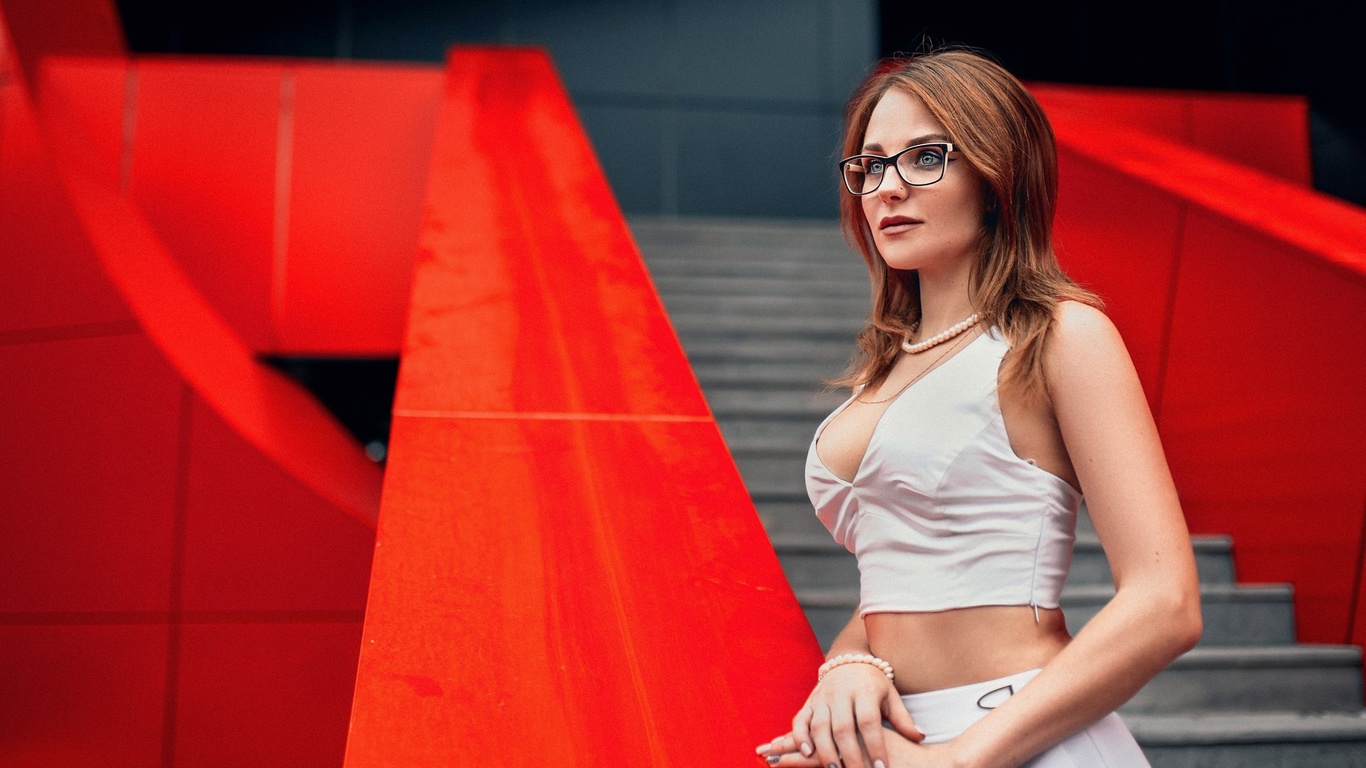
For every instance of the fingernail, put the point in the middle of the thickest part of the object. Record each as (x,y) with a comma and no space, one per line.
(879,764)
(806,749)
(773,759)
(762,748)
(834,765)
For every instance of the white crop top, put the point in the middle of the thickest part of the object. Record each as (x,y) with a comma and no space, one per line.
(941,512)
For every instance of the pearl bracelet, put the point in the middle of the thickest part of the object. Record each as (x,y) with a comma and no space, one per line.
(854,658)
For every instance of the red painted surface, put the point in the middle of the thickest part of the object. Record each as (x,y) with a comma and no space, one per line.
(52,280)
(362,141)
(565,547)
(90,467)
(44,28)
(1255,292)
(187,534)
(201,168)
(82,694)
(265,693)
(289,192)
(258,540)
(1266,132)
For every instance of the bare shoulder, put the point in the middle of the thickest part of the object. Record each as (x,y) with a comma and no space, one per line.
(1080,326)
(1082,340)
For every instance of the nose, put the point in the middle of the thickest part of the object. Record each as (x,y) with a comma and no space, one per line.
(891,186)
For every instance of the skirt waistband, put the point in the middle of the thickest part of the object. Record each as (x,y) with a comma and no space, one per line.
(943,714)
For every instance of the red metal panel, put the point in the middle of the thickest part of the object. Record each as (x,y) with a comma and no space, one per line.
(1270,133)
(557,309)
(91,95)
(90,466)
(271,412)
(1264,412)
(562,524)
(1119,237)
(204,173)
(48,275)
(361,142)
(1266,132)
(1165,114)
(1324,226)
(81,695)
(258,541)
(602,583)
(264,694)
(44,28)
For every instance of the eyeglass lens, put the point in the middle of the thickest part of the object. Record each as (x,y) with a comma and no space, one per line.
(918,167)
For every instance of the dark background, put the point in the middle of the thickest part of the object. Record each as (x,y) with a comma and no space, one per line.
(1316,48)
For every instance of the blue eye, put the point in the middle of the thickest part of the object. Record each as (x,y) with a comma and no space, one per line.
(876,166)
(928,158)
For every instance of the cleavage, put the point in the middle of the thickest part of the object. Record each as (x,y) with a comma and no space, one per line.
(843,442)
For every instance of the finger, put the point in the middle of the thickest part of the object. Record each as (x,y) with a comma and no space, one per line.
(822,738)
(780,745)
(801,731)
(793,760)
(894,710)
(869,719)
(844,729)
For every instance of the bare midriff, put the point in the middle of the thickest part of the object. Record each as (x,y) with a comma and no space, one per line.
(945,649)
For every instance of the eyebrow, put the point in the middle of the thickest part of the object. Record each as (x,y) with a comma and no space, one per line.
(917,140)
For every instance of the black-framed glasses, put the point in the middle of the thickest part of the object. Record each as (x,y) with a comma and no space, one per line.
(919,165)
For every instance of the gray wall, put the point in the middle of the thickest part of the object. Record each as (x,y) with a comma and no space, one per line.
(696,107)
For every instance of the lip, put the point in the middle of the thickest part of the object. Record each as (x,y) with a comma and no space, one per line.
(891,225)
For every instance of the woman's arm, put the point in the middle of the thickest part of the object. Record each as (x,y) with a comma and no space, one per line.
(846,706)
(1155,614)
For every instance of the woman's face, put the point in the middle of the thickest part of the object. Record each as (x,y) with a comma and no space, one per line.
(931,228)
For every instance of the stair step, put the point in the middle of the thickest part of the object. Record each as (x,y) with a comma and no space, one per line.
(745,308)
(787,403)
(768,434)
(779,265)
(670,285)
(1261,739)
(1317,678)
(799,375)
(741,323)
(813,559)
(706,348)
(1234,615)
(750,233)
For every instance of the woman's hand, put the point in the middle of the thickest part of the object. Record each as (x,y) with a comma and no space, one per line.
(841,722)
(901,752)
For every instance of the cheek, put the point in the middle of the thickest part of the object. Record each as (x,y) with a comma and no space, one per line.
(868,204)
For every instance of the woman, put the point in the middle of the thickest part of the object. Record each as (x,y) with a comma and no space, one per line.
(990,393)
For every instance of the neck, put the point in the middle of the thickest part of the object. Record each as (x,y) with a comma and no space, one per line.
(944,301)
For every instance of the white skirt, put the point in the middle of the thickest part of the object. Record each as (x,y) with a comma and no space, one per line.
(942,715)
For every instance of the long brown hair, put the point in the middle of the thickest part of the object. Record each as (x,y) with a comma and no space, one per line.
(1003,134)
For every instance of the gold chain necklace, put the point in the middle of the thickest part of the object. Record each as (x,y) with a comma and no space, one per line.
(918,376)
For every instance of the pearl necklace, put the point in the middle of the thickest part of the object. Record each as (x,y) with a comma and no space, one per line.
(939,338)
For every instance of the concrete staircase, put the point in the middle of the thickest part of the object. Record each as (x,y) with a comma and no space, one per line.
(767,310)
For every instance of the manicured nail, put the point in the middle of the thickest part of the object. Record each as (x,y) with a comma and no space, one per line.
(773,759)
(806,749)
(879,764)
(762,748)
(834,765)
